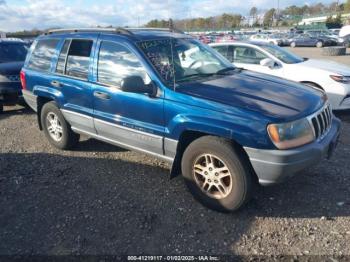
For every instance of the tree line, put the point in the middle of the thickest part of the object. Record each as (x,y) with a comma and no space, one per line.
(284,17)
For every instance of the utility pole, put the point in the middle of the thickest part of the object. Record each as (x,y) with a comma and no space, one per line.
(337,6)
(278,11)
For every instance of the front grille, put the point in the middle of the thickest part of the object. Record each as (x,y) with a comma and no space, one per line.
(322,121)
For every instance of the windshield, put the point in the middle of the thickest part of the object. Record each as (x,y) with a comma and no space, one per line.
(12,52)
(182,60)
(282,54)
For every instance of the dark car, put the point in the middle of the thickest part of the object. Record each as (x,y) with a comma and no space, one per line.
(12,56)
(168,95)
(311,40)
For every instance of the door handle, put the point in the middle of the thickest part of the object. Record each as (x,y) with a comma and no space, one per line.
(102,95)
(55,83)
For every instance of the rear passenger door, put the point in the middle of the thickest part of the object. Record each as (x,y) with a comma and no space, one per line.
(132,119)
(72,73)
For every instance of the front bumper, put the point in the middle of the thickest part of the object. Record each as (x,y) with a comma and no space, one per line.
(273,166)
(338,95)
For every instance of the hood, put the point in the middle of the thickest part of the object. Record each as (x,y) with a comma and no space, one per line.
(11,68)
(327,65)
(273,97)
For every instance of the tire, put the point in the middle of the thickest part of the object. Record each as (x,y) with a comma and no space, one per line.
(64,138)
(1,108)
(319,44)
(237,173)
(293,44)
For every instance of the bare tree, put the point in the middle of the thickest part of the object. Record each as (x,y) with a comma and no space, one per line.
(253,13)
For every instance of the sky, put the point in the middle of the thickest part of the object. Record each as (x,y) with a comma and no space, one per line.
(16,15)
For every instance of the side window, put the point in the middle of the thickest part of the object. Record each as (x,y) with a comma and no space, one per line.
(226,51)
(115,62)
(222,49)
(247,55)
(78,59)
(42,55)
(61,64)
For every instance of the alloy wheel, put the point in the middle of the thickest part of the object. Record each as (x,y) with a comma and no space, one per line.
(54,126)
(212,176)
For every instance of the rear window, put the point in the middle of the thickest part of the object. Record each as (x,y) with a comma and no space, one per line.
(42,55)
(12,52)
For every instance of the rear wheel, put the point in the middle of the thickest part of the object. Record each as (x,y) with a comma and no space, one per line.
(293,44)
(56,128)
(216,174)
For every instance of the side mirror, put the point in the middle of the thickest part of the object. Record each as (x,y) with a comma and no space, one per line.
(268,62)
(135,84)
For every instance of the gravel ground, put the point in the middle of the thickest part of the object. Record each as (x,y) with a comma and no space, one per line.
(100,199)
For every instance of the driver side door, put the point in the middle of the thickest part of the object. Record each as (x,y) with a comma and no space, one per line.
(134,120)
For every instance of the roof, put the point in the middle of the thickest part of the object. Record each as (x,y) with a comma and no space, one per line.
(11,40)
(135,34)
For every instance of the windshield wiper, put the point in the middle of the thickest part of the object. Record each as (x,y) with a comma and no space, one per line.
(220,72)
(224,70)
(187,77)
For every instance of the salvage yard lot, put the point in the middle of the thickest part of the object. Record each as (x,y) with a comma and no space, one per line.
(101,199)
(316,53)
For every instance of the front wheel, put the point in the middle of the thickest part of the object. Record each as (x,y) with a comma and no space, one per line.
(216,174)
(293,44)
(56,128)
(319,44)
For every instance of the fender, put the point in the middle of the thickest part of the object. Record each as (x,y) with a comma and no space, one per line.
(248,133)
(50,93)
(234,128)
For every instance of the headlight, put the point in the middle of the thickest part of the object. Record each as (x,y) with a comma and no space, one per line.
(341,79)
(4,78)
(292,134)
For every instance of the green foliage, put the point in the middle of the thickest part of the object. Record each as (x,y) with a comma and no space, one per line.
(347,6)
(334,22)
(269,17)
(158,23)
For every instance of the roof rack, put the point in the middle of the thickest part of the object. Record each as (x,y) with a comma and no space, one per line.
(118,30)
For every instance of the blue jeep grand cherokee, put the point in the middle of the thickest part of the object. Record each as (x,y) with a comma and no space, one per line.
(164,93)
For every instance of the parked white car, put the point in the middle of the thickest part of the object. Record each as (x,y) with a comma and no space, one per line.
(265,38)
(332,77)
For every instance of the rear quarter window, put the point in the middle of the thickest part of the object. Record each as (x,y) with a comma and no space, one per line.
(42,55)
